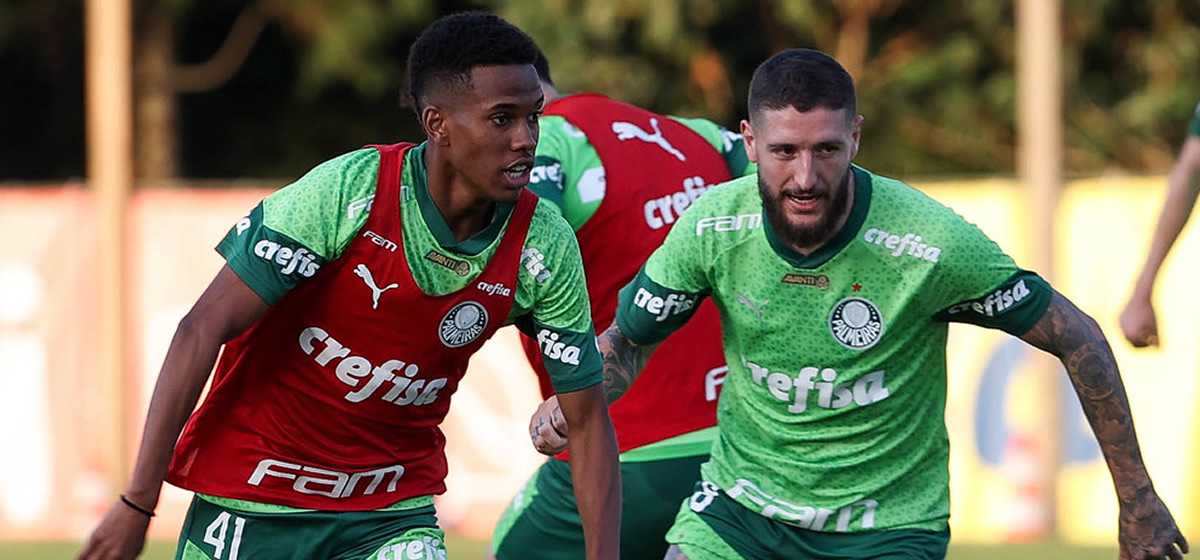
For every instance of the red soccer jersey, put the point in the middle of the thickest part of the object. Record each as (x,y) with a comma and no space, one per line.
(654,167)
(332,400)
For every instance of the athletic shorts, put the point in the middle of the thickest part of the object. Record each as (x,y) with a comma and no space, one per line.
(725,530)
(542,522)
(228,532)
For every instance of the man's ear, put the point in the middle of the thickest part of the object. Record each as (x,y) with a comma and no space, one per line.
(748,140)
(435,124)
(856,135)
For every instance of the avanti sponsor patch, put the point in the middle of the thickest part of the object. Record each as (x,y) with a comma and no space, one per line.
(461,268)
(815,280)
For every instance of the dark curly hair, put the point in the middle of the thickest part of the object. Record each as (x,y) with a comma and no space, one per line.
(802,79)
(446,51)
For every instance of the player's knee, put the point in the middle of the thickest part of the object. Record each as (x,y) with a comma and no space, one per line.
(674,553)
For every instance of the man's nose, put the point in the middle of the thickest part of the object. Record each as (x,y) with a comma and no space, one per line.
(525,137)
(804,171)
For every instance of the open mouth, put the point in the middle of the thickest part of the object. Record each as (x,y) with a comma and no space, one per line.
(518,172)
(803,201)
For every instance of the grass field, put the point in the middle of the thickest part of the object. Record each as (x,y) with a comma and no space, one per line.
(466,549)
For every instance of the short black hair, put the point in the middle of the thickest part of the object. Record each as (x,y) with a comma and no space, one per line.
(543,68)
(803,79)
(447,51)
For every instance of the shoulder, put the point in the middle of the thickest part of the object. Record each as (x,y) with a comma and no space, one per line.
(731,197)
(721,138)
(343,176)
(338,190)
(548,229)
(903,216)
(727,215)
(556,128)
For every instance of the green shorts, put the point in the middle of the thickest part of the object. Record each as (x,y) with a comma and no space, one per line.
(723,529)
(542,522)
(229,532)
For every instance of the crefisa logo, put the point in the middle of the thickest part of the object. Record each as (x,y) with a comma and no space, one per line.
(463,324)
(856,323)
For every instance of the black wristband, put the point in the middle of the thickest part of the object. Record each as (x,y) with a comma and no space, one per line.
(135,507)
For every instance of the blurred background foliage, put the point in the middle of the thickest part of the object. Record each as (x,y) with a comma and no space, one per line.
(268,88)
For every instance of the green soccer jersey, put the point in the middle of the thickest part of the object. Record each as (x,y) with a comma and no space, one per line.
(296,230)
(568,172)
(831,415)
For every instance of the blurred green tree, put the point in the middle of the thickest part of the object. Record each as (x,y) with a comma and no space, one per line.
(266,87)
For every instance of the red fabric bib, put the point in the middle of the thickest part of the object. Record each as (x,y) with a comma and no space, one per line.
(654,169)
(332,400)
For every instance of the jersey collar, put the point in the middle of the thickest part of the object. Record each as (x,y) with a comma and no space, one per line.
(858,214)
(415,160)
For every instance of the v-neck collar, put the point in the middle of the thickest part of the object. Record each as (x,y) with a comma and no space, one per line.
(437,223)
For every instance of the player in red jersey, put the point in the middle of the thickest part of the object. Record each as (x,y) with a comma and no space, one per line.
(348,308)
(621,176)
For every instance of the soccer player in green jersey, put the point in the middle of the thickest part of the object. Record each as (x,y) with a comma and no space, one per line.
(347,310)
(1138,320)
(835,288)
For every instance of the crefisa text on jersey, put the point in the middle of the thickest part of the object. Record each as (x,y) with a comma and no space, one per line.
(910,244)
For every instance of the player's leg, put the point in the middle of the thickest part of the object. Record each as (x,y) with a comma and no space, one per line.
(650,496)
(696,538)
(405,531)
(542,521)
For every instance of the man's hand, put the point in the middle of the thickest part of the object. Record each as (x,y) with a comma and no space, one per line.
(1147,531)
(121,535)
(548,428)
(1139,323)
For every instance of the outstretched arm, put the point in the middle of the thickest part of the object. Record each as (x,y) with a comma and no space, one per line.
(1138,321)
(226,308)
(1146,528)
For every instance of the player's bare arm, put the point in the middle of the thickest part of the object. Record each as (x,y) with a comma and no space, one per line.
(623,361)
(1146,528)
(1138,321)
(226,308)
(594,460)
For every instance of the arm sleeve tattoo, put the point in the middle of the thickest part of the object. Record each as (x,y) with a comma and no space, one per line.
(623,361)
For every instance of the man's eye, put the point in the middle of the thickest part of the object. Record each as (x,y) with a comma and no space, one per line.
(500,120)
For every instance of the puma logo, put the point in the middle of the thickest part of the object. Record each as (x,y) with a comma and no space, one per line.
(363,272)
(625,131)
(757,309)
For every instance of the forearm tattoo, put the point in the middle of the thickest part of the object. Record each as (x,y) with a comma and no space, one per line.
(1070,334)
(623,361)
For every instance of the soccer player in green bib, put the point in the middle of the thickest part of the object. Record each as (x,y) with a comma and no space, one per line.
(835,288)
(349,306)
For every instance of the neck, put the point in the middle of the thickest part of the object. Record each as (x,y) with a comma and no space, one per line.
(465,214)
